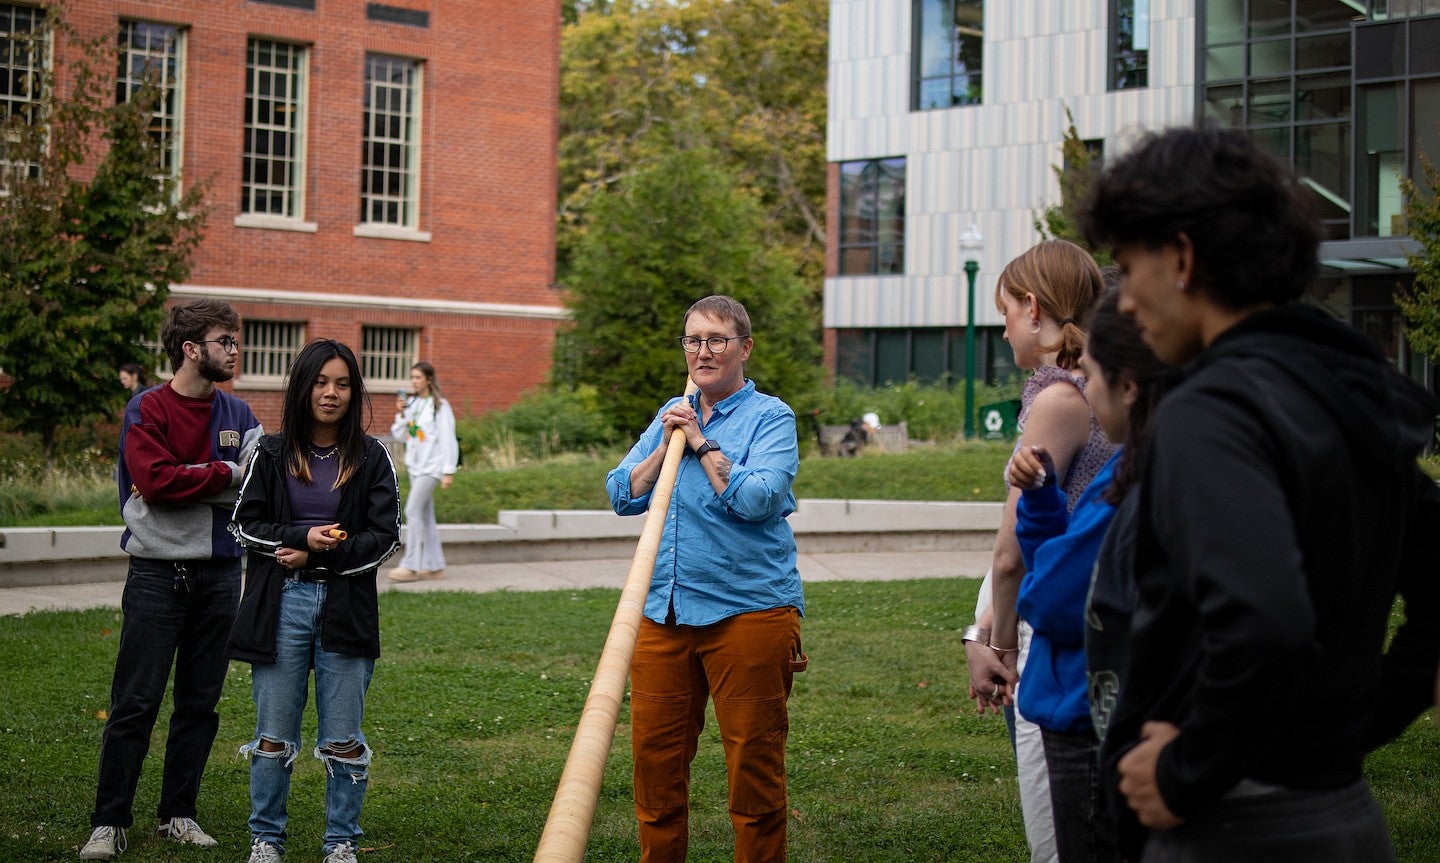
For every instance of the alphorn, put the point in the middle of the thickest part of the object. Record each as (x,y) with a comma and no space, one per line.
(567,828)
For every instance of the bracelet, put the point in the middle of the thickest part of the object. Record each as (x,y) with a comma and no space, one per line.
(974,633)
(1001,650)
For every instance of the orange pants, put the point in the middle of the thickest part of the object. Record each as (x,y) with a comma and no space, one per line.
(746,663)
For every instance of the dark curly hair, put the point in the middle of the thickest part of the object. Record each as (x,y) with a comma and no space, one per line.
(1255,231)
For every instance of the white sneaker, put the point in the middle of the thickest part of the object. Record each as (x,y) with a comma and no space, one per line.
(103,844)
(264,852)
(187,831)
(342,853)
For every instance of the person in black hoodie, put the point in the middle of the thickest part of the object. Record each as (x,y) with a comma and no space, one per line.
(1279,513)
(318,513)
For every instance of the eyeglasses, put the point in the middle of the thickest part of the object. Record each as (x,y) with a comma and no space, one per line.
(716,344)
(226,343)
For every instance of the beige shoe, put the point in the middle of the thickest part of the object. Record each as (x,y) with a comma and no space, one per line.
(401,574)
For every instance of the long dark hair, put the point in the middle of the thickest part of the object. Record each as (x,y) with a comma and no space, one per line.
(1116,347)
(299,421)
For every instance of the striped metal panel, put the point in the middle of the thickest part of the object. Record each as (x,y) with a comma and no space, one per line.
(989,164)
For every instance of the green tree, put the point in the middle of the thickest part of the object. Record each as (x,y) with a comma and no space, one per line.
(87,256)
(1421,303)
(666,236)
(744,78)
(1078,167)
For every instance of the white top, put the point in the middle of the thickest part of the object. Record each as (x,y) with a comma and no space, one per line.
(428,431)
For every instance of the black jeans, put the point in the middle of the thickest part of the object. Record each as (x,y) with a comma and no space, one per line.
(1284,826)
(1082,832)
(176,612)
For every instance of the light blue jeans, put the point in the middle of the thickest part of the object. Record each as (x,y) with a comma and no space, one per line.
(280,692)
(422,533)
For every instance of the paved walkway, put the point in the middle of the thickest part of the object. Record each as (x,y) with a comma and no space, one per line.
(559,575)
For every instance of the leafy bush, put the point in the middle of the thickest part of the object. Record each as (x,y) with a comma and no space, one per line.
(77,450)
(545,422)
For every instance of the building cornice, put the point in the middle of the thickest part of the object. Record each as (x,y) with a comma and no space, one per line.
(357,301)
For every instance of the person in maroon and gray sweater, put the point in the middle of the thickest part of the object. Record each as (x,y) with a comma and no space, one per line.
(182,446)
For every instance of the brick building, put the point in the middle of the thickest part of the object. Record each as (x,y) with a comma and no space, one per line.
(380,173)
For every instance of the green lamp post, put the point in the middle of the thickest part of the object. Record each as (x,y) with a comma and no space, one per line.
(971,245)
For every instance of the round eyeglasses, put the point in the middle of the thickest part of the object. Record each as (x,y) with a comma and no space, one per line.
(716,344)
(226,343)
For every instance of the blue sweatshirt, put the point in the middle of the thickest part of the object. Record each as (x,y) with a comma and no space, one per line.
(1060,551)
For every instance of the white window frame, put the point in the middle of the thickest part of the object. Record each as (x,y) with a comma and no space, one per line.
(263,103)
(267,348)
(386,356)
(160,368)
(167,123)
(390,194)
(37,63)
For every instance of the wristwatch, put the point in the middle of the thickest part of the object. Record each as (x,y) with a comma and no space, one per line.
(705,447)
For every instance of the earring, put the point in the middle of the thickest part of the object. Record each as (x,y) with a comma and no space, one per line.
(1180,285)
(1035,325)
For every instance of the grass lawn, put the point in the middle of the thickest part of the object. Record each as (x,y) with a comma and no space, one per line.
(474,702)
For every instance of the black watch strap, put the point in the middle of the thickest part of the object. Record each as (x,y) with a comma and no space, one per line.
(705,447)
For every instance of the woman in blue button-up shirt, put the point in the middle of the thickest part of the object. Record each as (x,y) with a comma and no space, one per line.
(722,619)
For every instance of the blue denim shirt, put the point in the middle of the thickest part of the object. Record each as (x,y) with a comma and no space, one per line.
(724,554)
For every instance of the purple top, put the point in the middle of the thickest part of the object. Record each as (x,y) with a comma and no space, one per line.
(1097,449)
(315,503)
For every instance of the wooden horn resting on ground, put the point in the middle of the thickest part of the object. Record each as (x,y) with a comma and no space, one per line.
(568,826)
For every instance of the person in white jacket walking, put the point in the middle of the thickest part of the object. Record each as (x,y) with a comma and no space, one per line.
(425,422)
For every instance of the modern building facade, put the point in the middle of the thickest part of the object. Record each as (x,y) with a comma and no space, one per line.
(379,173)
(950,113)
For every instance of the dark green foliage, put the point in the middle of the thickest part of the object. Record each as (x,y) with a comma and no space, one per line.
(1421,304)
(1078,166)
(673,233)
(545,422)
(86,259)
(745,78)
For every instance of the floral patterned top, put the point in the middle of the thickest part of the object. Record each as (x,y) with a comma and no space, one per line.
(1097,449)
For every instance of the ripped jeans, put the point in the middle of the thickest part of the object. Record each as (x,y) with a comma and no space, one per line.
(280,692)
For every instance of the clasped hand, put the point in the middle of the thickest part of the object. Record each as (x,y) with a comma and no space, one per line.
(682,416)
(1031,467)
(992,679)
(318,539)
(1138,776)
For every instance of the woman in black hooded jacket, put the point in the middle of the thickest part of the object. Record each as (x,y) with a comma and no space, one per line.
(318,512)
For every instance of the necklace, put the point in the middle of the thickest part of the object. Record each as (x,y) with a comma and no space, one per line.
(319,456)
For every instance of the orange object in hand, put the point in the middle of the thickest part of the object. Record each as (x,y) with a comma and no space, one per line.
(336,533)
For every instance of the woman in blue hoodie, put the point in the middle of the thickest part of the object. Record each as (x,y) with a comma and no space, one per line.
(1124,380)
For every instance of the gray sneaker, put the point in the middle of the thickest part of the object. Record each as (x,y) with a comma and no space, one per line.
(264,852)
(187,831)
(342,853)
(103,844)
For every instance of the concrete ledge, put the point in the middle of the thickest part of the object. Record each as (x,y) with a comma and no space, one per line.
(32,556)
